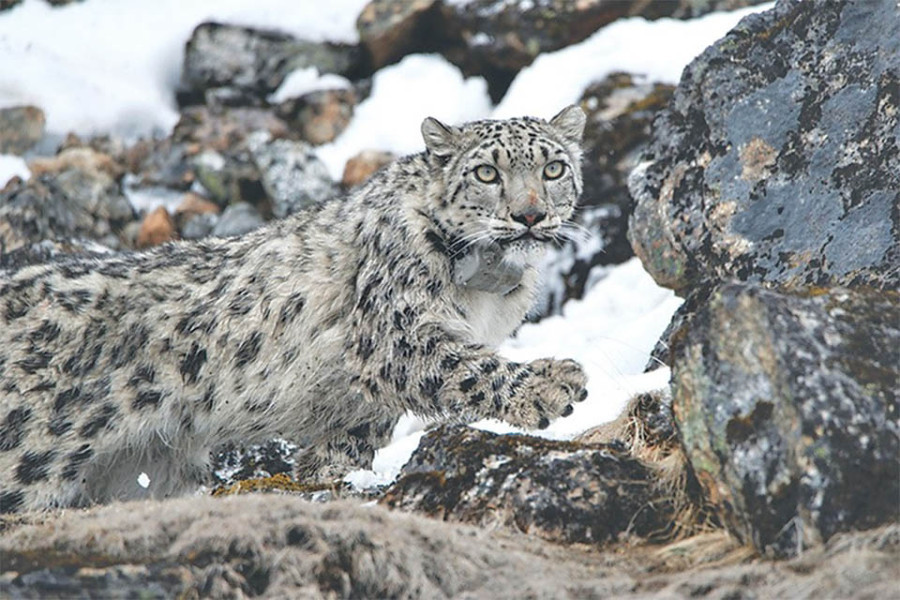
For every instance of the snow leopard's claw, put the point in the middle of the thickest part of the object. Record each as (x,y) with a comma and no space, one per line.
(581,396)
(544,423)
(568,410)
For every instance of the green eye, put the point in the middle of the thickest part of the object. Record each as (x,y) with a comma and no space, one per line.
(486,173)
(554,170)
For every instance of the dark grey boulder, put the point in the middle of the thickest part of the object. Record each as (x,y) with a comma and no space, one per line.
(251,63)
(561,491)
(778,158)
(787,407)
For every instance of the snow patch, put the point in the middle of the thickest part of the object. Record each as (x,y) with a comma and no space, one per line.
(419,86)
(12,166)
(123,81)
(307,80)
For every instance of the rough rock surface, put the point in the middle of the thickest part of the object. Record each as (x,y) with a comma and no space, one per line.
(251,63)
(787,406)
(284,547)
(291,174)
(562,491)
(21,127)
(619,111)
(778,160)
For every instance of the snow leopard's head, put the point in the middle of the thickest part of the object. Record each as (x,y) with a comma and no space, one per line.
(511,184)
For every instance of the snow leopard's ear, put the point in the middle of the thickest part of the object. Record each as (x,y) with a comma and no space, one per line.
(440,139)
(570,123)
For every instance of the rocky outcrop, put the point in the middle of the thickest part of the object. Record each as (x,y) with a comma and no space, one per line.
(769,199)
(560,491)
(787,406)
(778,161)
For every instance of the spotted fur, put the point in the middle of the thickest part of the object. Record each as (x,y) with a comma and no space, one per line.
(322,328)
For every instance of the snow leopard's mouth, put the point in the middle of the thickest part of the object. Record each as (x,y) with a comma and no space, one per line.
(527,236)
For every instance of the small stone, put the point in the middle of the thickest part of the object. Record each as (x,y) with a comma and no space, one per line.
(156,228)
(199,226)
(238,219)
(361,166)
(195,204)
(21,127)
(196,216)
(80,158)
(292,176)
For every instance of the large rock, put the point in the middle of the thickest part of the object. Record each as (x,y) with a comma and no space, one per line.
(561,491)
(619,111)
(788,410)
(778,160)
(251,63)
(21,128)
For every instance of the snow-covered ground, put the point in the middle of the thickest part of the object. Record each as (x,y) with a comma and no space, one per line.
(112,66)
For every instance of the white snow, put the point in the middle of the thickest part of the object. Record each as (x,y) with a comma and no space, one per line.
(658,50)
(304,81)
(113,65)
(12,166)
(402,96)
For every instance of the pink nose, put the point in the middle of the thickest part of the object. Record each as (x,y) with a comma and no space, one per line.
(529,217)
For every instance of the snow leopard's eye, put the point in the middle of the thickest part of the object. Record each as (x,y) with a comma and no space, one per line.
(486,173)
(554,170)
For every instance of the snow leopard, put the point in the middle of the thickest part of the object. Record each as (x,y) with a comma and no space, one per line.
(120,374)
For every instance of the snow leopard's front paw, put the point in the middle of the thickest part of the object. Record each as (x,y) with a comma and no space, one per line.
(549,393)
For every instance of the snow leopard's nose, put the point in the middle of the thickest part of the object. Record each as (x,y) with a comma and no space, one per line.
(529,217)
